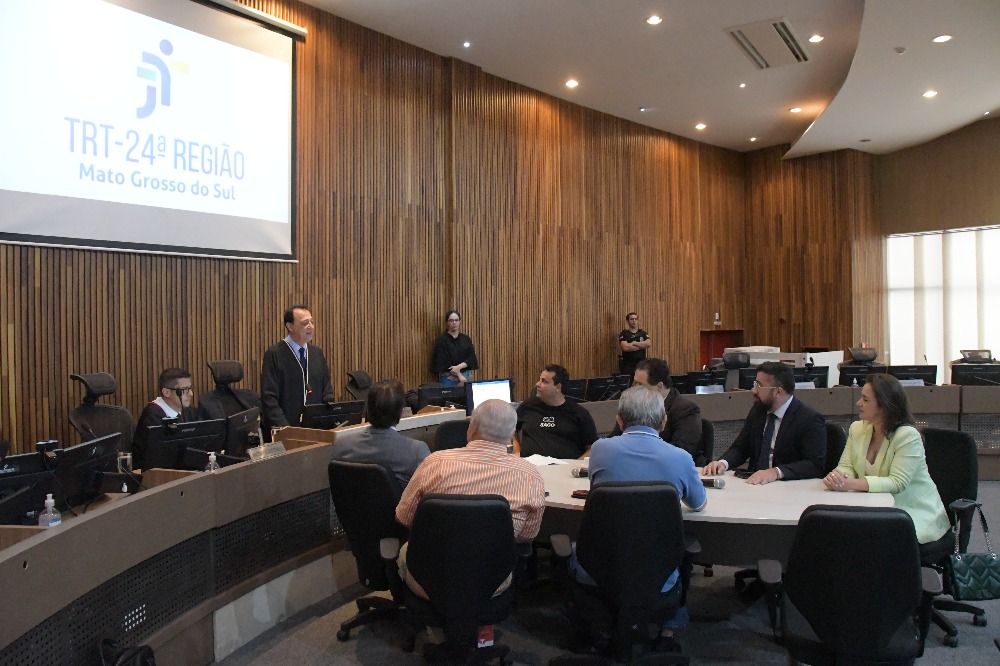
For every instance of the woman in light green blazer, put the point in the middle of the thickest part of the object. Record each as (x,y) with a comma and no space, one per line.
(884,454)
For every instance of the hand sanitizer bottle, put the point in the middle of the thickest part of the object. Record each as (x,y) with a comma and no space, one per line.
(50,517)
(212,465)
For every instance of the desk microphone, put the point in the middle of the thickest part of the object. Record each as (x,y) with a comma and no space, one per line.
(714,483)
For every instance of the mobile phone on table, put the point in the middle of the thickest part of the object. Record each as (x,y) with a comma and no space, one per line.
(580,494)
(742,474)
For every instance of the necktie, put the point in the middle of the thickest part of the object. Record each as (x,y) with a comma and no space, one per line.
(764,459)
(302,359)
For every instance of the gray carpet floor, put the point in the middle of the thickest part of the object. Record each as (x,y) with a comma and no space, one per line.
(723,630)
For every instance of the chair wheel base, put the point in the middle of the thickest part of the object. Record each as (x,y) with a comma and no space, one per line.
(979,620)
(951,641)
(343,635)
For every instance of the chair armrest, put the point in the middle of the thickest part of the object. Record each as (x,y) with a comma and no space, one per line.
(769,572)
(930,581)
(561,546)
(389,548)
(692,547)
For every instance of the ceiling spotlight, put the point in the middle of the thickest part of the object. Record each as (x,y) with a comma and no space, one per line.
(643,109)
(930,93)
(572,83)
(752,139)
(796,109)
(743,85)
(864,140)
(987,113)
(654,20)
(816,39)
(700,126)
(466,44)
(941,39)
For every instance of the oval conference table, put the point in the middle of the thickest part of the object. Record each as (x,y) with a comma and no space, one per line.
(740,524)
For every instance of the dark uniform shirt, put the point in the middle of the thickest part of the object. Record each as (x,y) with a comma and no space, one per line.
(565,431)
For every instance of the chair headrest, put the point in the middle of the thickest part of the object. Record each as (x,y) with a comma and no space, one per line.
(360,379)
(96,384)
(226,372)
(862,354)
(736,360)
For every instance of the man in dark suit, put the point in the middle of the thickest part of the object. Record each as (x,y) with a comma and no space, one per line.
(683,428)
(782,438)
(381,444)
(294,373)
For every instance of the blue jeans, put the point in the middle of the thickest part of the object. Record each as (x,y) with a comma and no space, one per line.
(448,379)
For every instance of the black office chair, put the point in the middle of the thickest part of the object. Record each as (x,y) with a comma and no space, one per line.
(836,440)
(358,384)
(954,467)
(93,419)
(461,550)
(451,435)
(365,498)
(707,443)
(630,541)
(225,400)
(837,551)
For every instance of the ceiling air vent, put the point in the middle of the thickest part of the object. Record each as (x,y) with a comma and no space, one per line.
(769,43)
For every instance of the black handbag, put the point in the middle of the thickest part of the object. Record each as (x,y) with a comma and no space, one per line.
(974,576)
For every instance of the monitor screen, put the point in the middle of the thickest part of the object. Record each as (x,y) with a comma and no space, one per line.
(925,373)
(854,375)
(239,427)
(818,375)
(747,377)
(165,444)
(976,374)
(575,388)
(25,479)
(441,396)
(79,468)
(703,378)
(477,392)
(336,415)
(607,388)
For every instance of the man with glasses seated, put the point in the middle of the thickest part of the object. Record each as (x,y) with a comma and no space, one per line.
(176,396)
(782,438)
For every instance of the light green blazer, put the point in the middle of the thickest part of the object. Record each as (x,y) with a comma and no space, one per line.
(901,469)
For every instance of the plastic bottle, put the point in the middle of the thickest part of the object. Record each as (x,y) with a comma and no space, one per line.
(854,384)
(50,517)
(212,465)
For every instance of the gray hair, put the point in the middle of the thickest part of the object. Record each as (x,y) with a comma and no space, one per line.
(494,421)
(641,406)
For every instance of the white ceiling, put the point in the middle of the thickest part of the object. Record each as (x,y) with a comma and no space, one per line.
(687,70)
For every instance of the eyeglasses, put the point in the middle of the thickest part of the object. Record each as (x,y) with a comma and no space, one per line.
(761,387)
(454,321)
(184,389)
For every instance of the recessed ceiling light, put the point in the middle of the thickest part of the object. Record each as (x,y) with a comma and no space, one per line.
(700,126)
(643,109)
(930,93)
(466,44)
(987,113)
(752,139)
(795,109)
(654,20)
(816,39)
(572,83)
(743,85)
(864,140)
(941,39)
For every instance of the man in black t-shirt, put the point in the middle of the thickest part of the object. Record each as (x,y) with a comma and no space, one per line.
(633,343)
(550,425)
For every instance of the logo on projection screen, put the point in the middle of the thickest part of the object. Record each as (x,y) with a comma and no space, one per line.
(150,74)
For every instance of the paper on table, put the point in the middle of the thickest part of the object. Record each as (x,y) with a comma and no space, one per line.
(544,460)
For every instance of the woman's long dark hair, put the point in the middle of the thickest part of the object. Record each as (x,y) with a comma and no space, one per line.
(891,398)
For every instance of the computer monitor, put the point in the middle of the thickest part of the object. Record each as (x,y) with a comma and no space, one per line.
(441,396)
(976,374)
(166,444)
(925,373)
(335,415)
(703,378)
(607,388)
(819,375)
(239,427)
(25,480)
(79,468)
(575,389)
(976,355)
(680,383)
(851,375)
(478,392)
(747,377)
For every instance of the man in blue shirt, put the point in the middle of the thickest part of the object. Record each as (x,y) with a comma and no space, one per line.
(638,454)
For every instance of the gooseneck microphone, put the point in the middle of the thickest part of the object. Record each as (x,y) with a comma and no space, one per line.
(716,482)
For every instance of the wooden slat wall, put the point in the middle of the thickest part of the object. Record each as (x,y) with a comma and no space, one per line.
(424,183)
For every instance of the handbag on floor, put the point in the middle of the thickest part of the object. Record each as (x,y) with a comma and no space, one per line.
(974,576)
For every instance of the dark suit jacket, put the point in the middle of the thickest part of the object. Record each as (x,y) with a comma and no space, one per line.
(683,425)
(799,451)
(386,447)
(281,386)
